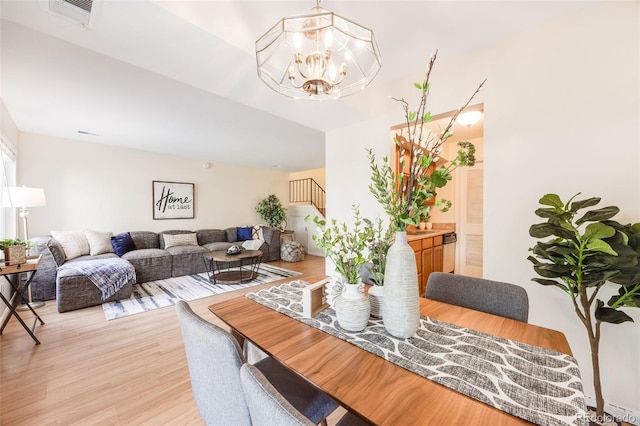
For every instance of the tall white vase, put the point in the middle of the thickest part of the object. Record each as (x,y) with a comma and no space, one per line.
(352,308)
(401,307)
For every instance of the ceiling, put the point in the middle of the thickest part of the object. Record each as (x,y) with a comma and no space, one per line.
(179,77)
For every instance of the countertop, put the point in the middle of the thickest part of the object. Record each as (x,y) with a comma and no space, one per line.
(420,234)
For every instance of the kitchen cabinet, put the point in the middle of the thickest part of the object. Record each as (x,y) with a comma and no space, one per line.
(428,251)
(402,152)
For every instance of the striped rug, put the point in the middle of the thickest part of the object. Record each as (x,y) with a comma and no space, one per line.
(159,294)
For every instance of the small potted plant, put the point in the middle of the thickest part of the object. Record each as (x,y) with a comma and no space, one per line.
(271,210)
(347,246)
(15,250)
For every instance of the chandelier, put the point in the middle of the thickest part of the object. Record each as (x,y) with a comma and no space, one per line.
(319,55)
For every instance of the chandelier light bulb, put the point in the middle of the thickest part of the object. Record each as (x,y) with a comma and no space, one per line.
(328,39)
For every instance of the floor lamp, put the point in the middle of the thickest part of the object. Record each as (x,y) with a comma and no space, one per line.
(24,197)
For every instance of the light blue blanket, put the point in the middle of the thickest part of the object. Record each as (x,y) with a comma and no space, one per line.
(109,275)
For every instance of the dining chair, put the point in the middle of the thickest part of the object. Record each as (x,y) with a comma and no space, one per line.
(214,359)
(493,297)
(267,407)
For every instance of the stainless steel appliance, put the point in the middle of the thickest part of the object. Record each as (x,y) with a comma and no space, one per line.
(449,252)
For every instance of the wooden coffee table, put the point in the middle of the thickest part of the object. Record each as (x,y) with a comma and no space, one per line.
(221,266)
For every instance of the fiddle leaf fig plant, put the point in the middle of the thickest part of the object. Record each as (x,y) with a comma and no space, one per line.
(584,253)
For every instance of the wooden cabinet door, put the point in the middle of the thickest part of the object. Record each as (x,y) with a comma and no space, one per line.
(427,268)
(437,259)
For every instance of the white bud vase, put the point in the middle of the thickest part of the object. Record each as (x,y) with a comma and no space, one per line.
(352,308)
(376,293)
(401,308)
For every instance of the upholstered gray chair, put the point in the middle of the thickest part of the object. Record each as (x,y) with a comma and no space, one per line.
(494,297)
(267,407)
(214,359)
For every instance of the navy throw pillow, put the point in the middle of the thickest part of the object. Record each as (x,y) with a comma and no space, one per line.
(244,233)
(122,243)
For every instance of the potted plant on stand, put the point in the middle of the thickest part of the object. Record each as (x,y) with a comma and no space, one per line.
(15,250)
(583,255)
(272,212)
(403,198)
(346,247)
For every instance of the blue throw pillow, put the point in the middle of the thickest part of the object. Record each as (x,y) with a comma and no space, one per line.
(122,243)
(244,233)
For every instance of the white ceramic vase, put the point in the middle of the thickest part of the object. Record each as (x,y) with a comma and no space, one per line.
(376,293)
(352,308)
(401,308)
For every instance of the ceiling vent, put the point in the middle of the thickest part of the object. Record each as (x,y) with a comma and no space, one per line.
(76,10)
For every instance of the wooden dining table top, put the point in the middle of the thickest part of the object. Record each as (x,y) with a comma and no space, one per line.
(376,389)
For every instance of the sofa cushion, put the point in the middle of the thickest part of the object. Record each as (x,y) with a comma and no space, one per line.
(217,246)
(73,243)
(145,240)
(122,243)
(206,236)
(173,240)
(99,242)
(150,264)
(232,235)
(244,233)
(171,232)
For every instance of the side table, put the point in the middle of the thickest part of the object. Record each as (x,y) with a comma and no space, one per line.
(30,268)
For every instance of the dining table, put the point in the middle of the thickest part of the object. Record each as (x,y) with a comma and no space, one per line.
(377,390)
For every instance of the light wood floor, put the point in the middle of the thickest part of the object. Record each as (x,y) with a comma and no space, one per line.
(90,371)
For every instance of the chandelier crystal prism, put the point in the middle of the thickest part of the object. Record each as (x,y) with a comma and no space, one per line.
(318,56)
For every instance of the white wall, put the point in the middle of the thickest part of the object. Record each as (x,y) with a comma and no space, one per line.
(562,110)
(108,188)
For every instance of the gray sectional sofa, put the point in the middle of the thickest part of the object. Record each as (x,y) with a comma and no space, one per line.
(150,259)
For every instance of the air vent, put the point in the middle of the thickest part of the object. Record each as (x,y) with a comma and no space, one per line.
(76,10)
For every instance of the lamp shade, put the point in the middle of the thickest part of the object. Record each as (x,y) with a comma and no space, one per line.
(22,196)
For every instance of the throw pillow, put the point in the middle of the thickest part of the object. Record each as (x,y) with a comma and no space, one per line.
(122,243)
(172,240)
(257,232)
(99,242)
(74,244)
(244,233)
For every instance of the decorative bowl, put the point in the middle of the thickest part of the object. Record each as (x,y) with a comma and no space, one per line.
(234,249)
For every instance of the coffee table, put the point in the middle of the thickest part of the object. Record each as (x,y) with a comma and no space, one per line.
(220,266)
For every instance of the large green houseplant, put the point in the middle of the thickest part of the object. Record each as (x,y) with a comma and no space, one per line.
(585,253)
(271,210)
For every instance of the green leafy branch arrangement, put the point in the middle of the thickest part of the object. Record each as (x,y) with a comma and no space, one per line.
(347,248)
(403,198)
(582,256)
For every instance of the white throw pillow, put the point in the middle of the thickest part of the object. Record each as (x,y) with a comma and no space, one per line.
(74,244)
(172,240)
(257,232)
(99,242)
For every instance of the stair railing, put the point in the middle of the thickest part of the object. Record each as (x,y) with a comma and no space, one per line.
(308,191)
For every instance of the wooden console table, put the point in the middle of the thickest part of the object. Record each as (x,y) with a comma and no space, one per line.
(30,268)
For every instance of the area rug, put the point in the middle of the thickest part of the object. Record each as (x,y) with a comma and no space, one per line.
(159,294)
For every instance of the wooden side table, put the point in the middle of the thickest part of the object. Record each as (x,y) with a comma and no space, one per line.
(30,268)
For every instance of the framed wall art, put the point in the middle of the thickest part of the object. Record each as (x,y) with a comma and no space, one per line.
(173,200)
